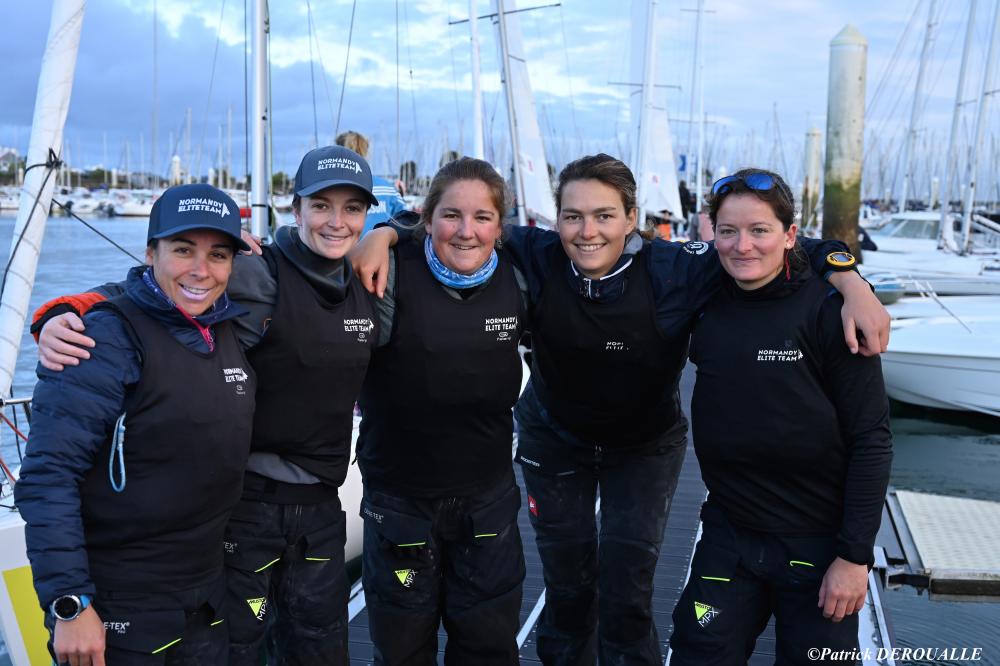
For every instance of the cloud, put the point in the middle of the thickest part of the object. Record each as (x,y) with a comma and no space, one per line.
(756,55)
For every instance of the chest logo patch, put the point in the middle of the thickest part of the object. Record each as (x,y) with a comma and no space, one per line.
(236,376)
(696,247)
(779,355)
(505,328)
(363,327)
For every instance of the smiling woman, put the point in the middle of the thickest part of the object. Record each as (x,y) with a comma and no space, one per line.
(104,544)
(610,320)
(791,431)
(192,267)
(440,502)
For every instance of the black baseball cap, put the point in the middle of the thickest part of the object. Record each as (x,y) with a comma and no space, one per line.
(333,165)
(198,206)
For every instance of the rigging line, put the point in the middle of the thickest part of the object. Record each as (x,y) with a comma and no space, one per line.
(211,84)
(13,413)
(413,95)
(347,59)
(893,59)
(569,78)
(246,101)
(454,72)
(269,144)
(326,77)
(397,84)
(52,163)
(79,219)
(312,75)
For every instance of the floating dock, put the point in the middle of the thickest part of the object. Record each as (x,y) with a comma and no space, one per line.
(949,546)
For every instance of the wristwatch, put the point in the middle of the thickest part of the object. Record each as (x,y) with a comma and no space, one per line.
(840,261)
(69,606)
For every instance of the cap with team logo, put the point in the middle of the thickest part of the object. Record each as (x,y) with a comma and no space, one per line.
(199,206)
(333,165)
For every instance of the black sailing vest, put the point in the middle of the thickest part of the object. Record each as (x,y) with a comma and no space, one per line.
(437,401)
(310,365)
(187,437)
(603,370)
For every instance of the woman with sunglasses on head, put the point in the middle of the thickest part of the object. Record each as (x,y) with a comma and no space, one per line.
(610,320)
(792,433)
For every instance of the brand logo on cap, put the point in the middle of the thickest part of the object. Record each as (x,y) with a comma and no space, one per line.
(200,204)
(338,163)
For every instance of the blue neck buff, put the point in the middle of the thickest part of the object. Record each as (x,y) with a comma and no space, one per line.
(450,278)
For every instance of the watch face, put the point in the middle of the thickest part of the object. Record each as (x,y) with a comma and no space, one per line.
(840,258)
(66,607)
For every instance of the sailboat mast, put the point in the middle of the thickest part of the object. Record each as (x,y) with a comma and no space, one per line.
(477,91)
(259,180)
(156,105)
(229,148)
(947,231)
(918,95)
(981,117)
(699,65)
(187,146)
(55,86)
(645,101)
(522,217)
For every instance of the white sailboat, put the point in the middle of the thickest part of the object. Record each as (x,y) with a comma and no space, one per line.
(21,619)
(531,171)
(947,362)
(652,146)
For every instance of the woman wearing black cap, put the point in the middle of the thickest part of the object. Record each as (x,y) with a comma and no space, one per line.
(308,335)
(124,531)
(610,320)
(792,434)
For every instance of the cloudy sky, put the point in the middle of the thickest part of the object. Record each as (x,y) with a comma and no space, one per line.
(765,76)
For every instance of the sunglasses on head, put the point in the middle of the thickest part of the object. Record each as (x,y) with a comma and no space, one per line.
(755,181)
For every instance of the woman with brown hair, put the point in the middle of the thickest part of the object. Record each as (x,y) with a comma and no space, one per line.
(440,504)
(610,321)
(792,434)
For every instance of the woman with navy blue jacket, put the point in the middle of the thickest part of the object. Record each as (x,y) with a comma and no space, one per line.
(136,458)
(610,316)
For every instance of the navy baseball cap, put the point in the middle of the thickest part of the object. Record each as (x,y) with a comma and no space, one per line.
(333,165)
(198,206)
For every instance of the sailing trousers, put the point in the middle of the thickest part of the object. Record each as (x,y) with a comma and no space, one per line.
(142,630)
(286,582)
(452,560)
(739,579)
(598,585)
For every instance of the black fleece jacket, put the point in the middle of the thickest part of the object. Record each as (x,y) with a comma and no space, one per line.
(790,428)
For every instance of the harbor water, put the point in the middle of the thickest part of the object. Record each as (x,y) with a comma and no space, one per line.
(936,452)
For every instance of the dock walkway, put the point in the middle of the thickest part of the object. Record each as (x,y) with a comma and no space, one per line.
(671,570)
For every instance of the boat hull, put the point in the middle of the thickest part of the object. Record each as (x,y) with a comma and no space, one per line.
(945,362)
